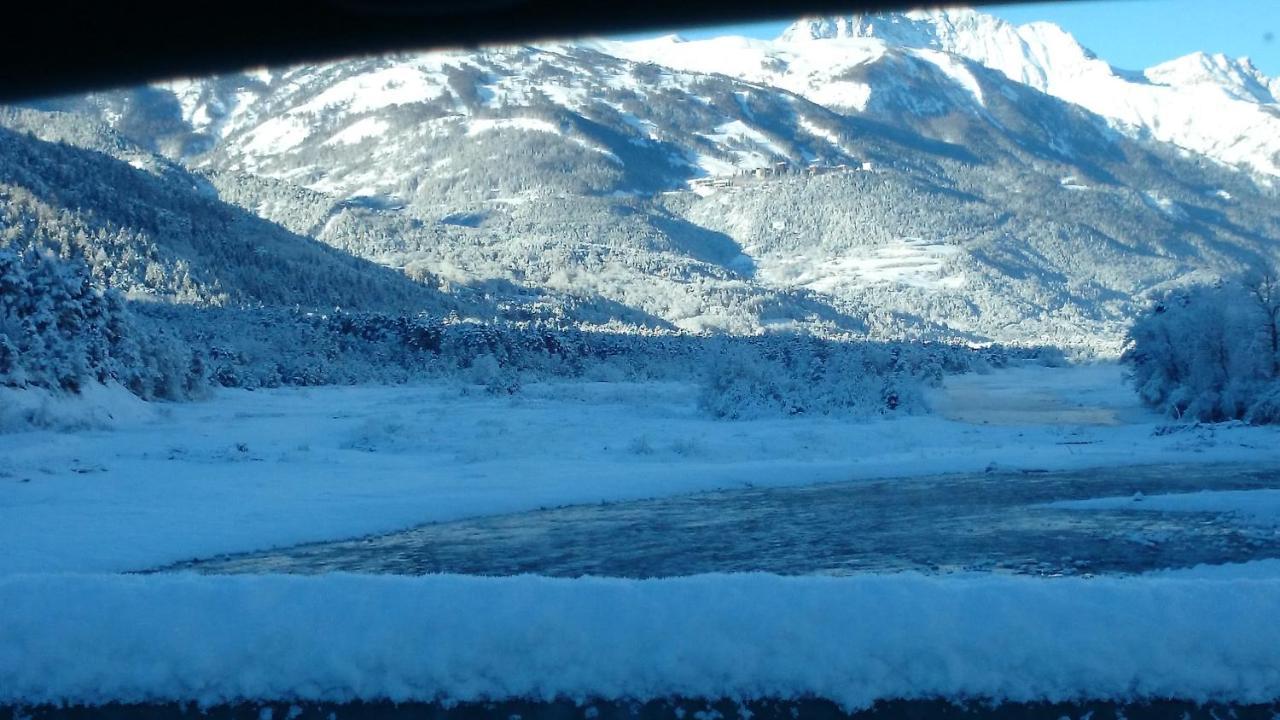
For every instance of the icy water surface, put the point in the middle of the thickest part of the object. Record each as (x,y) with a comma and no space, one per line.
(985,522)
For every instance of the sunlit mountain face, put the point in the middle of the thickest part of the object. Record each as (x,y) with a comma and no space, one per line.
(939,174)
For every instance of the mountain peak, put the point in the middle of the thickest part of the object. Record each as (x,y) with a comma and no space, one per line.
(1032,54)
(1236,76)
(917,28)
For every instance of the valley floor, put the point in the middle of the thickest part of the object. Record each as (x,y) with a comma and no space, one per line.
(249,471)
(154,485)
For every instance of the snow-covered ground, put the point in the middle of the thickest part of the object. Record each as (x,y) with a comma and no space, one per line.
(140,485)
(1081,395)
(254,470)
(96,638)
(909,261)
(1257,507)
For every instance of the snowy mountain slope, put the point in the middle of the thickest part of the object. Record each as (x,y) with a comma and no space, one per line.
(581,122)
(1235,77)
(898,175)
(1223,108)
(163,235)
(1008,256)
(160,233)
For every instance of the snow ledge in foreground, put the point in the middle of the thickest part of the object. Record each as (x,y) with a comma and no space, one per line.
(97,638)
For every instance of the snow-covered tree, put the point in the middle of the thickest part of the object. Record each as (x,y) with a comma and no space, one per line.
(60,331)
(1205,352)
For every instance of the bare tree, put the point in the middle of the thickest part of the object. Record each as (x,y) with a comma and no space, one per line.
(1264,288)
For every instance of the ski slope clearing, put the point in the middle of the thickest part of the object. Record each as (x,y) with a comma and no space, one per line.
(248,471)
(910,261)
(455,638)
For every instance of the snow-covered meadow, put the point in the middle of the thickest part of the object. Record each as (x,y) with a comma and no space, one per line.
(164,482)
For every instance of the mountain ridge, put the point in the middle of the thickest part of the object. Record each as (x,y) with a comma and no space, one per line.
(836,184)
(1185,108)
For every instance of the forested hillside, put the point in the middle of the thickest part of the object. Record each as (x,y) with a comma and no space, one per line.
(168,236)
(882,180)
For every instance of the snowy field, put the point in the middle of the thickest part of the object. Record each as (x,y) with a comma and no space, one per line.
(142,485)
(158,484)
(1035,396)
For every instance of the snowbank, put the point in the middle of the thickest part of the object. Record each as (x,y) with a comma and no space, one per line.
(1254,507)
(94,639)
(95,407)
(1251,570)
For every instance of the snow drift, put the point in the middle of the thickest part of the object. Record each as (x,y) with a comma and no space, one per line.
(94,639)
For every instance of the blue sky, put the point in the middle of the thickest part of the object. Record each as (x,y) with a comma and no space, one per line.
(1131,34)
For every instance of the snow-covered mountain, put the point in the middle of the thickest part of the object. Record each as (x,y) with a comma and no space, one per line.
(937,174)
(158,232)
(1220,107)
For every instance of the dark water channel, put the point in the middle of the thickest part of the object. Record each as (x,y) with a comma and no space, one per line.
(985,522)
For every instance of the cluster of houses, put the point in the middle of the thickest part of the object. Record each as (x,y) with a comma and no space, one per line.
(779,169)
